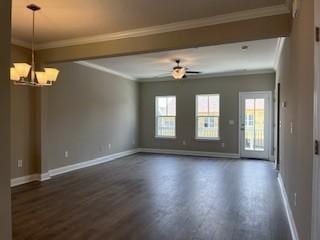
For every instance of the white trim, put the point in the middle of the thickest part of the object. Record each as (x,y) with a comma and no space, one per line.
(104,69)
(315,200)
(69,168)
(190,153)
(156,117)
(25,179)
(315,235)
(279,47)
(210,75)
(29,178)
(269,117)
(108,158)
(272,158)
(171,27)
(100,160)
(197,117)
(293,229)
(44,176)
(20,43)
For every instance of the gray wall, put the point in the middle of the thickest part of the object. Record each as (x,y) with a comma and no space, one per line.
(296,75)
(23,124)
(87,110)
(185,91)
(5,205)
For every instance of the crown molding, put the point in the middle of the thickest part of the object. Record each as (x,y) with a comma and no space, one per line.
(20,43)
(172,27)
(212,75)
(104,69)
(169,78)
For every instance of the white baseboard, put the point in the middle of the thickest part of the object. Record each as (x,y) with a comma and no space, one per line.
(29,178)
(190,153)
(25,179)
(108,158)
(293,229)
(69,168)
(100,160)
(44,177)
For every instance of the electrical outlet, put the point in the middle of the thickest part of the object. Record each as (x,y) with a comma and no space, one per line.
(109,146)
(291,127)
(20,163)
(66,154)
(295,199)
(222,145)
(184,142)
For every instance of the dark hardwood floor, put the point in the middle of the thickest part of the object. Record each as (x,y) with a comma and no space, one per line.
(146,196)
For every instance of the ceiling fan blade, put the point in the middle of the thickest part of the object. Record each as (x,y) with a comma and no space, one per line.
(193,72)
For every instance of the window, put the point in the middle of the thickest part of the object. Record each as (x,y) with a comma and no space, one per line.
(249,120)
(207,116)
(166,116)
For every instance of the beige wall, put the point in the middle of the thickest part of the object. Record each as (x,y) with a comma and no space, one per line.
(23,125)
(87,110)
(253,29)
(36,118)
(296,75)
(5,205)
(185,91)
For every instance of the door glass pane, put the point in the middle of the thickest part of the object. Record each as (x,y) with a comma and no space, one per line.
(259,124)
(249,126)
(254,124)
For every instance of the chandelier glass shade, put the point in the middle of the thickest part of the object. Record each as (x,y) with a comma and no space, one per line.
(25,73)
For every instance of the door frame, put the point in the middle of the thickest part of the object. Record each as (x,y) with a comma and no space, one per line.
(316,133)
(277,127)
(269,116)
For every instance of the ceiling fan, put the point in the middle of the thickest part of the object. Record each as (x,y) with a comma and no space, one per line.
(180,72)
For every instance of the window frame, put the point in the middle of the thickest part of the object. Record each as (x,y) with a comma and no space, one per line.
(196,119)
(156,118)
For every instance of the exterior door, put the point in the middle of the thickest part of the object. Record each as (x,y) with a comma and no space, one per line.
(316,127)
(255,124)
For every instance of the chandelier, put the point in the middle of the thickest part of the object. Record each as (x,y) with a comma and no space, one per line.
(26,74)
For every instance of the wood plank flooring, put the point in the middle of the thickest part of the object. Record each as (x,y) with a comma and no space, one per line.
(151,196)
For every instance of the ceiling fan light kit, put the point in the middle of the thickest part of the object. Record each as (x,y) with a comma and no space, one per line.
(26,74)
(179,72)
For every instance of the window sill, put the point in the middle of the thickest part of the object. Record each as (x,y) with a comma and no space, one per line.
(207,139)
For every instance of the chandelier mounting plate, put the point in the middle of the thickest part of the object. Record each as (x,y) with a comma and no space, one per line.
(33,7)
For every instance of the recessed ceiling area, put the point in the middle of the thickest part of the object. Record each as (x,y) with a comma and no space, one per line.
(67,19)
(221,59)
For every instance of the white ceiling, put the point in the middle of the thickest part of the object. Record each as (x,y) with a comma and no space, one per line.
(68,19)
(221,59)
